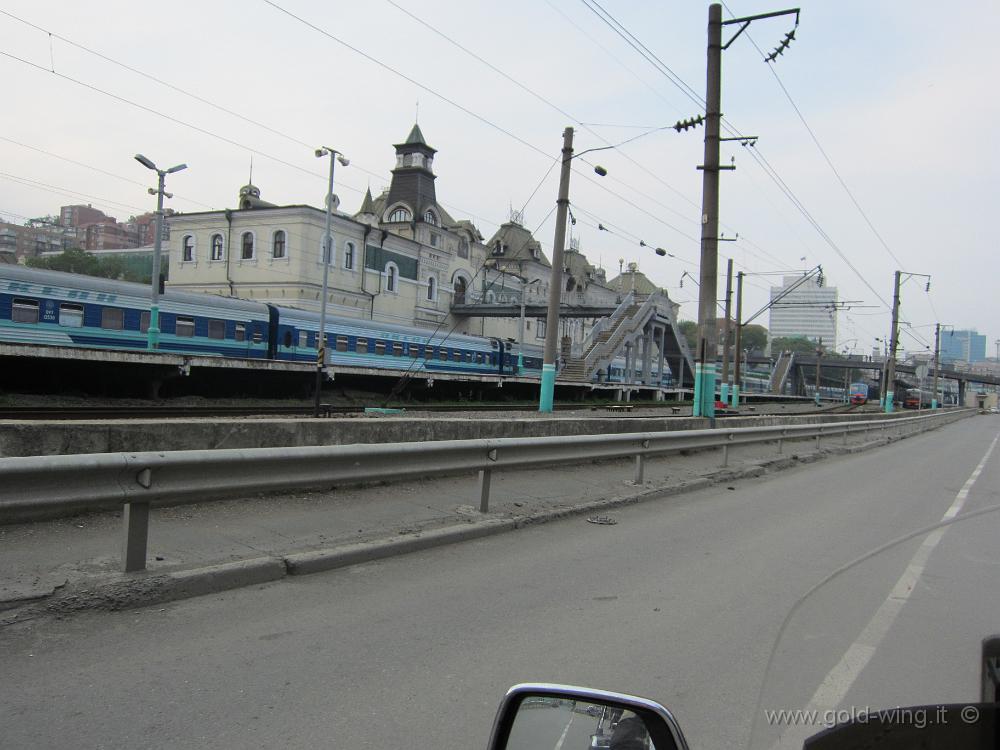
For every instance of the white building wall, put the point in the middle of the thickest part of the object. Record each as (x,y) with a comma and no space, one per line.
(809,311)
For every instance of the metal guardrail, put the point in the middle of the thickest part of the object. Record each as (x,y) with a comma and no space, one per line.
(38,485)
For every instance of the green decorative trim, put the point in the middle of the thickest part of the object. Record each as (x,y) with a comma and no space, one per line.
(377,257)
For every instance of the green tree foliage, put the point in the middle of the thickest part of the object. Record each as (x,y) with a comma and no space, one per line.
(80,261)
(690,330)
(797,344)
(754,337)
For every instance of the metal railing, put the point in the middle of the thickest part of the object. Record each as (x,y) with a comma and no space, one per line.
(38,486)
(603,353)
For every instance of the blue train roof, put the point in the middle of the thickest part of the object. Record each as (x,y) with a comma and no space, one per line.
(27,275)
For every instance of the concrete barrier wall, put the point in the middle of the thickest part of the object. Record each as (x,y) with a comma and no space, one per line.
(65,438)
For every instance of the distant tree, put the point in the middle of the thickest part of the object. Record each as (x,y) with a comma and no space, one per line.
(797,344)
(754,337)
(73,260)
(111,267)
(690,330)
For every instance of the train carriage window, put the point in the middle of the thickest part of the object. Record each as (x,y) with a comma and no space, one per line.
(70,315)
(428,352)
(443,355)
(380,348)
(456,355)
(361,347)
(241,332)
(479,358)
(303,339)
(341,343)
(258,337)
(288,340)
(113,318)
(144,322)
(397,348)
(24,311)
(217,329)
(468,356)
(185,326)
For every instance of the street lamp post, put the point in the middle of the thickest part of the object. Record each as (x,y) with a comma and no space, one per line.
(520,349)
(327,256)
(548,385)
(153,332)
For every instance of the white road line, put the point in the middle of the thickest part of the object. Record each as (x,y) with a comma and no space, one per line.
(562,737)
(835,685)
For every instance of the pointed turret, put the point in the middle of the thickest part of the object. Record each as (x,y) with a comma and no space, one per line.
(367,205)
(412,184)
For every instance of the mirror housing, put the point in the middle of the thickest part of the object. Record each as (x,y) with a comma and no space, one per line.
(604,709)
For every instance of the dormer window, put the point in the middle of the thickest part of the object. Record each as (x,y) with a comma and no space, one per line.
(399,215)
(498,249)
(430,218)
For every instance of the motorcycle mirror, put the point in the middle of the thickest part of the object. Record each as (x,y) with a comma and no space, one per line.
(542,715)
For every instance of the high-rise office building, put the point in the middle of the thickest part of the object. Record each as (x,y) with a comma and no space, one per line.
(809,310)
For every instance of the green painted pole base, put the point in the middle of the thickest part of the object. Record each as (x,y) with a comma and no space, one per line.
(888,402)
(934,403)
(704,390)
(153,332)
(548,389)
(735,396)
(520,363)
(724,393)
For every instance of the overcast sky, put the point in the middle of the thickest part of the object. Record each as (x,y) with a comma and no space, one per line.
(902,97)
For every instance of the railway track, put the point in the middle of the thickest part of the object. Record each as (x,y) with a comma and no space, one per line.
(83,413)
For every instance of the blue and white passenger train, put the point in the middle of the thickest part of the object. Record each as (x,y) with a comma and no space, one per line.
(63,309)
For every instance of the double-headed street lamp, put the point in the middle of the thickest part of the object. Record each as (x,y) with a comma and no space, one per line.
(327,257)
(153,332)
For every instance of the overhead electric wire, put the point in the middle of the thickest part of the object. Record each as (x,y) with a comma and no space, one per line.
(58,190)
(665,70)
(284,162)
(822,150)
(198,98)
(97,169)
(549,103)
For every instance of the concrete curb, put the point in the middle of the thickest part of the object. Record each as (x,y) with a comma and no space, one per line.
(315,561)
(145,589)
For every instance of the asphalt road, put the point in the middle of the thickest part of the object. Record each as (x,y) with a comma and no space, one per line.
(680,601)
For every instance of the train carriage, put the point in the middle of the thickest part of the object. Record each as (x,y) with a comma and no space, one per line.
(63,309)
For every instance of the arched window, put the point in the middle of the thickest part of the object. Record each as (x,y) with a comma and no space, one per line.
(430,217)
(187,248)
(399,215)
(278,250)
(349,256)
(217,247)
(391,278)
(247,246)
(329,255)
(461,286)
(432,288)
